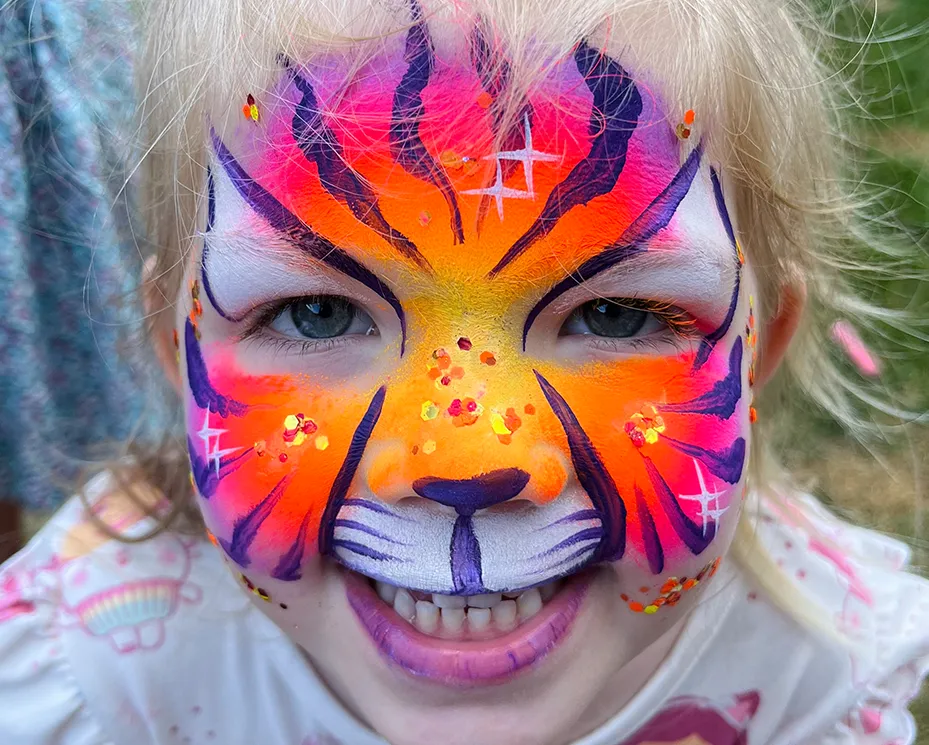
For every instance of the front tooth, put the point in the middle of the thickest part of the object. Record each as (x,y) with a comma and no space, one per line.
(488,600)
(453,618)
(386,592)
(449,601)
(505,615)
(478,618)
(548,591)
(529,603)
(427,616)
(405,605)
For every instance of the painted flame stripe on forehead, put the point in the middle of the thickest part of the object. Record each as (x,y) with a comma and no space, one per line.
(294,231)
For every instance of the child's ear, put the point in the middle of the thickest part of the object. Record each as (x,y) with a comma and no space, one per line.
(159,313)
(775,336)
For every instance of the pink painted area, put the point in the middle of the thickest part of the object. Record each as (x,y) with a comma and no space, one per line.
(12,601)
(472,663)
(848,338)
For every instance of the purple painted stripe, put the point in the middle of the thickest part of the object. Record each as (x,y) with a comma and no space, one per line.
(366,504)
(298,234)
(725,464)
(198,379)
(465,557)
(593,476)
(290,566)
(689,532)
(574,517)
(655,217)
(362,550)
(615,116)
(721,400)
(654,553)
(361,527)
(319,145)
(246,528)
(587,534)
(406,143)
(562,562)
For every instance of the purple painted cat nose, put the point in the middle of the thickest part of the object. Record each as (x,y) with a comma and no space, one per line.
(468,496)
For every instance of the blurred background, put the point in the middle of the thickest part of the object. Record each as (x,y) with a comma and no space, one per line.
(69,258)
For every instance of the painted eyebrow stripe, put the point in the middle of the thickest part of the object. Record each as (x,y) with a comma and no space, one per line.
(406,145)
(288,568)
(265,205)
(593,476)
(709,342)
(655,217)
(319,145)
(616,109)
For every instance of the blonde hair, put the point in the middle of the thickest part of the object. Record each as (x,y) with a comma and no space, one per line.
(749,68)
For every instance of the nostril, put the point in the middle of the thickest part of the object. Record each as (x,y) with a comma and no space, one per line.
(469,495)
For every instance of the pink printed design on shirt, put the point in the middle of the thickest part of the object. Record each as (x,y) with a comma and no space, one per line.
(321,739)
(126,593)
(12,601)
(693,719)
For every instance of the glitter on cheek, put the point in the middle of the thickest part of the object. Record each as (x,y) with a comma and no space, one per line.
(322,442)
(428,411)
(487,358)
(429,447)
(464,344)
(672,590)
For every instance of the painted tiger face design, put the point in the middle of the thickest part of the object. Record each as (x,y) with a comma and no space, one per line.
(462,353)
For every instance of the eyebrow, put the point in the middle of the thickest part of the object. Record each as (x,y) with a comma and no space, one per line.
(634,239)
(298,234)
(617,106)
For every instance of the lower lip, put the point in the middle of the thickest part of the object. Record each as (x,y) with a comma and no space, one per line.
(466,663)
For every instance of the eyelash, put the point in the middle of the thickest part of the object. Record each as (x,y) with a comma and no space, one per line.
(259,319)
(678,321)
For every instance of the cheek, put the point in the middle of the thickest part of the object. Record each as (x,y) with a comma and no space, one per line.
(267,456)
(665,442)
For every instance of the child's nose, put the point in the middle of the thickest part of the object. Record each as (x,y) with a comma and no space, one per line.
(468,496)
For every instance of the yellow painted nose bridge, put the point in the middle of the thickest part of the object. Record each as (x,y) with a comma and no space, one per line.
(458,412)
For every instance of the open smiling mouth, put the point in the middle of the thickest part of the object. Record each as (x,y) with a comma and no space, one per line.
(466,641)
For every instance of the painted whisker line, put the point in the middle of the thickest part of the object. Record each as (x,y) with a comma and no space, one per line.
(406,144)
(654,218)
(198,380)
(726,464)
(723,398)
(362,550)
(578,516)
(616,109)
(319,145)
(588,534)
(301,236)
(590,551)
(362,528)
(366,504)
(654,552)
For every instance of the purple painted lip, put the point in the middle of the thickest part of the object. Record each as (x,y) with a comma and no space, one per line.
(465,663)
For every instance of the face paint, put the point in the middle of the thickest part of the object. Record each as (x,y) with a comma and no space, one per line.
(466,443)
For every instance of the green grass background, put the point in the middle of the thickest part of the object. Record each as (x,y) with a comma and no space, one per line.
(890,115)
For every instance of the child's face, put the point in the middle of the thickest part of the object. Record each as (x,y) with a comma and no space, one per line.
(421,369)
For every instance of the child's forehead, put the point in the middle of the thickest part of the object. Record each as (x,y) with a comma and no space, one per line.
(433,152)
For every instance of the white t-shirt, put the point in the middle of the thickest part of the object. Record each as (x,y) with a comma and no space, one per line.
(103,642)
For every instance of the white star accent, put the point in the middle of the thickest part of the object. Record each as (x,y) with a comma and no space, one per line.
(213,452)
(527,156)
(705,498)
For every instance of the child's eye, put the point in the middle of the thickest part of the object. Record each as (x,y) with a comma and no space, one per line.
(321,317)
(625,318)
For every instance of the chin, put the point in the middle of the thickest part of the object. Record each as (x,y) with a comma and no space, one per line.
(526,666)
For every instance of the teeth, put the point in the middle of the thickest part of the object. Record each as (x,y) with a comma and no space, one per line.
(427,616)
(484,601)
(447,613)
(478,618)
(529,603)
(404,605)
(453,618)
(505,615)
(386,592)
(449,601)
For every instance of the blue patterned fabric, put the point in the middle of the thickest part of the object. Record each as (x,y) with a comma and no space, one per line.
(68,261)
